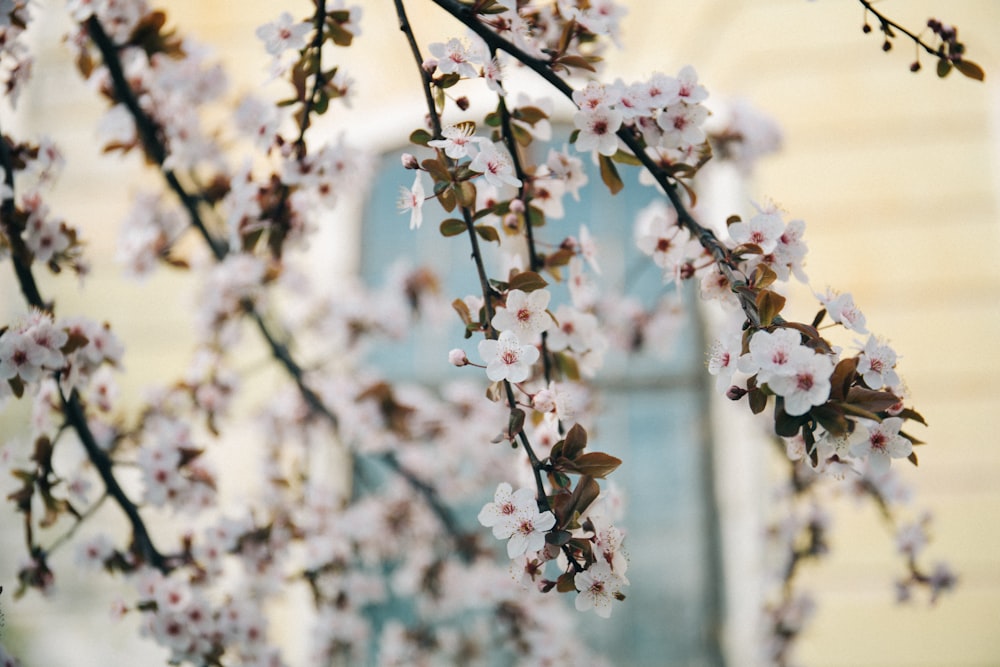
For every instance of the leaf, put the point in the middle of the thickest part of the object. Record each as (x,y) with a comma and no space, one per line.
(586,492)
(516,422)
(831,417)
(909,413)
(970,69)
(437,170)
(943,67)
(558,537)
(488,233)
(567,366)
(912,458)
(575,442)
(769,304)
(564,584)
(420,137)
(447,199)
(452,227)
(868,399)
(843,377)
(527,281)
(785,424)
(597,464)
(466,192)
(757,399)
(447,80)
(530,115)
(575,61)
(609,174)
(623,157)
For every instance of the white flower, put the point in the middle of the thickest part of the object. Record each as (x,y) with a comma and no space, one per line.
(515,515)
(597,586)
(454,56)
(524,313)
(763,230)
(412,200)
(507,359)
(495,165)
(682,125)
(529,533)
(722,361)
(876,363)
(842,310)
(805,382)
(882,444)
(283,34)
(770,353)
(20,356)
(597,130)
(457,139)
(689,90)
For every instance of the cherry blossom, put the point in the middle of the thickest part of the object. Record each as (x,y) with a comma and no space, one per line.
(597,587)
(876,364)
(881,444)
(495,165)
(506,358)
(525,313)
(412,200)
(597,128)
(284,34)
(805,381)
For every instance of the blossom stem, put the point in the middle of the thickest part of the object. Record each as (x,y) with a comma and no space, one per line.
(542,68)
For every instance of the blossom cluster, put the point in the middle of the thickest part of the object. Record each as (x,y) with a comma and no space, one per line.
(360,476)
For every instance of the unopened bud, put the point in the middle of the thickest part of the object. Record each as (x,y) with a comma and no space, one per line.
(429,65)
(516,206)
(457,358)
(915,67)
(462,102)
(409,161)
(544,401)
(735,393)
(886,45)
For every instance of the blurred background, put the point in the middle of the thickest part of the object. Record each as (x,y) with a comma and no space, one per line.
(897,176)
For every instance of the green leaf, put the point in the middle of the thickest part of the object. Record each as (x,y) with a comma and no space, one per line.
(970,69)
(420,137)
(452,227)
(447,80)
(609,174)
(466,192)
(623,157)
(447,199)
(529,115)
(527,281)
(943,67)
(488,233)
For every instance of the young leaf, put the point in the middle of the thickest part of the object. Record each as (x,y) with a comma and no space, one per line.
(452,227)
(609,174)
(970,69)
(527,281)
(597,464)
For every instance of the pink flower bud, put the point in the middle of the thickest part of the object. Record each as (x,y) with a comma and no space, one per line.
(516,206)
(409,161)
(457,357)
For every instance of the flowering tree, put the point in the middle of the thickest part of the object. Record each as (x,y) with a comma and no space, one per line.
(251,192)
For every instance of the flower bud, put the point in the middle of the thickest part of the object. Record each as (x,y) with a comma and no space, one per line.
(735,393)
(429,65)
(409,161)
(457,357)
(516,206)
(544,401)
